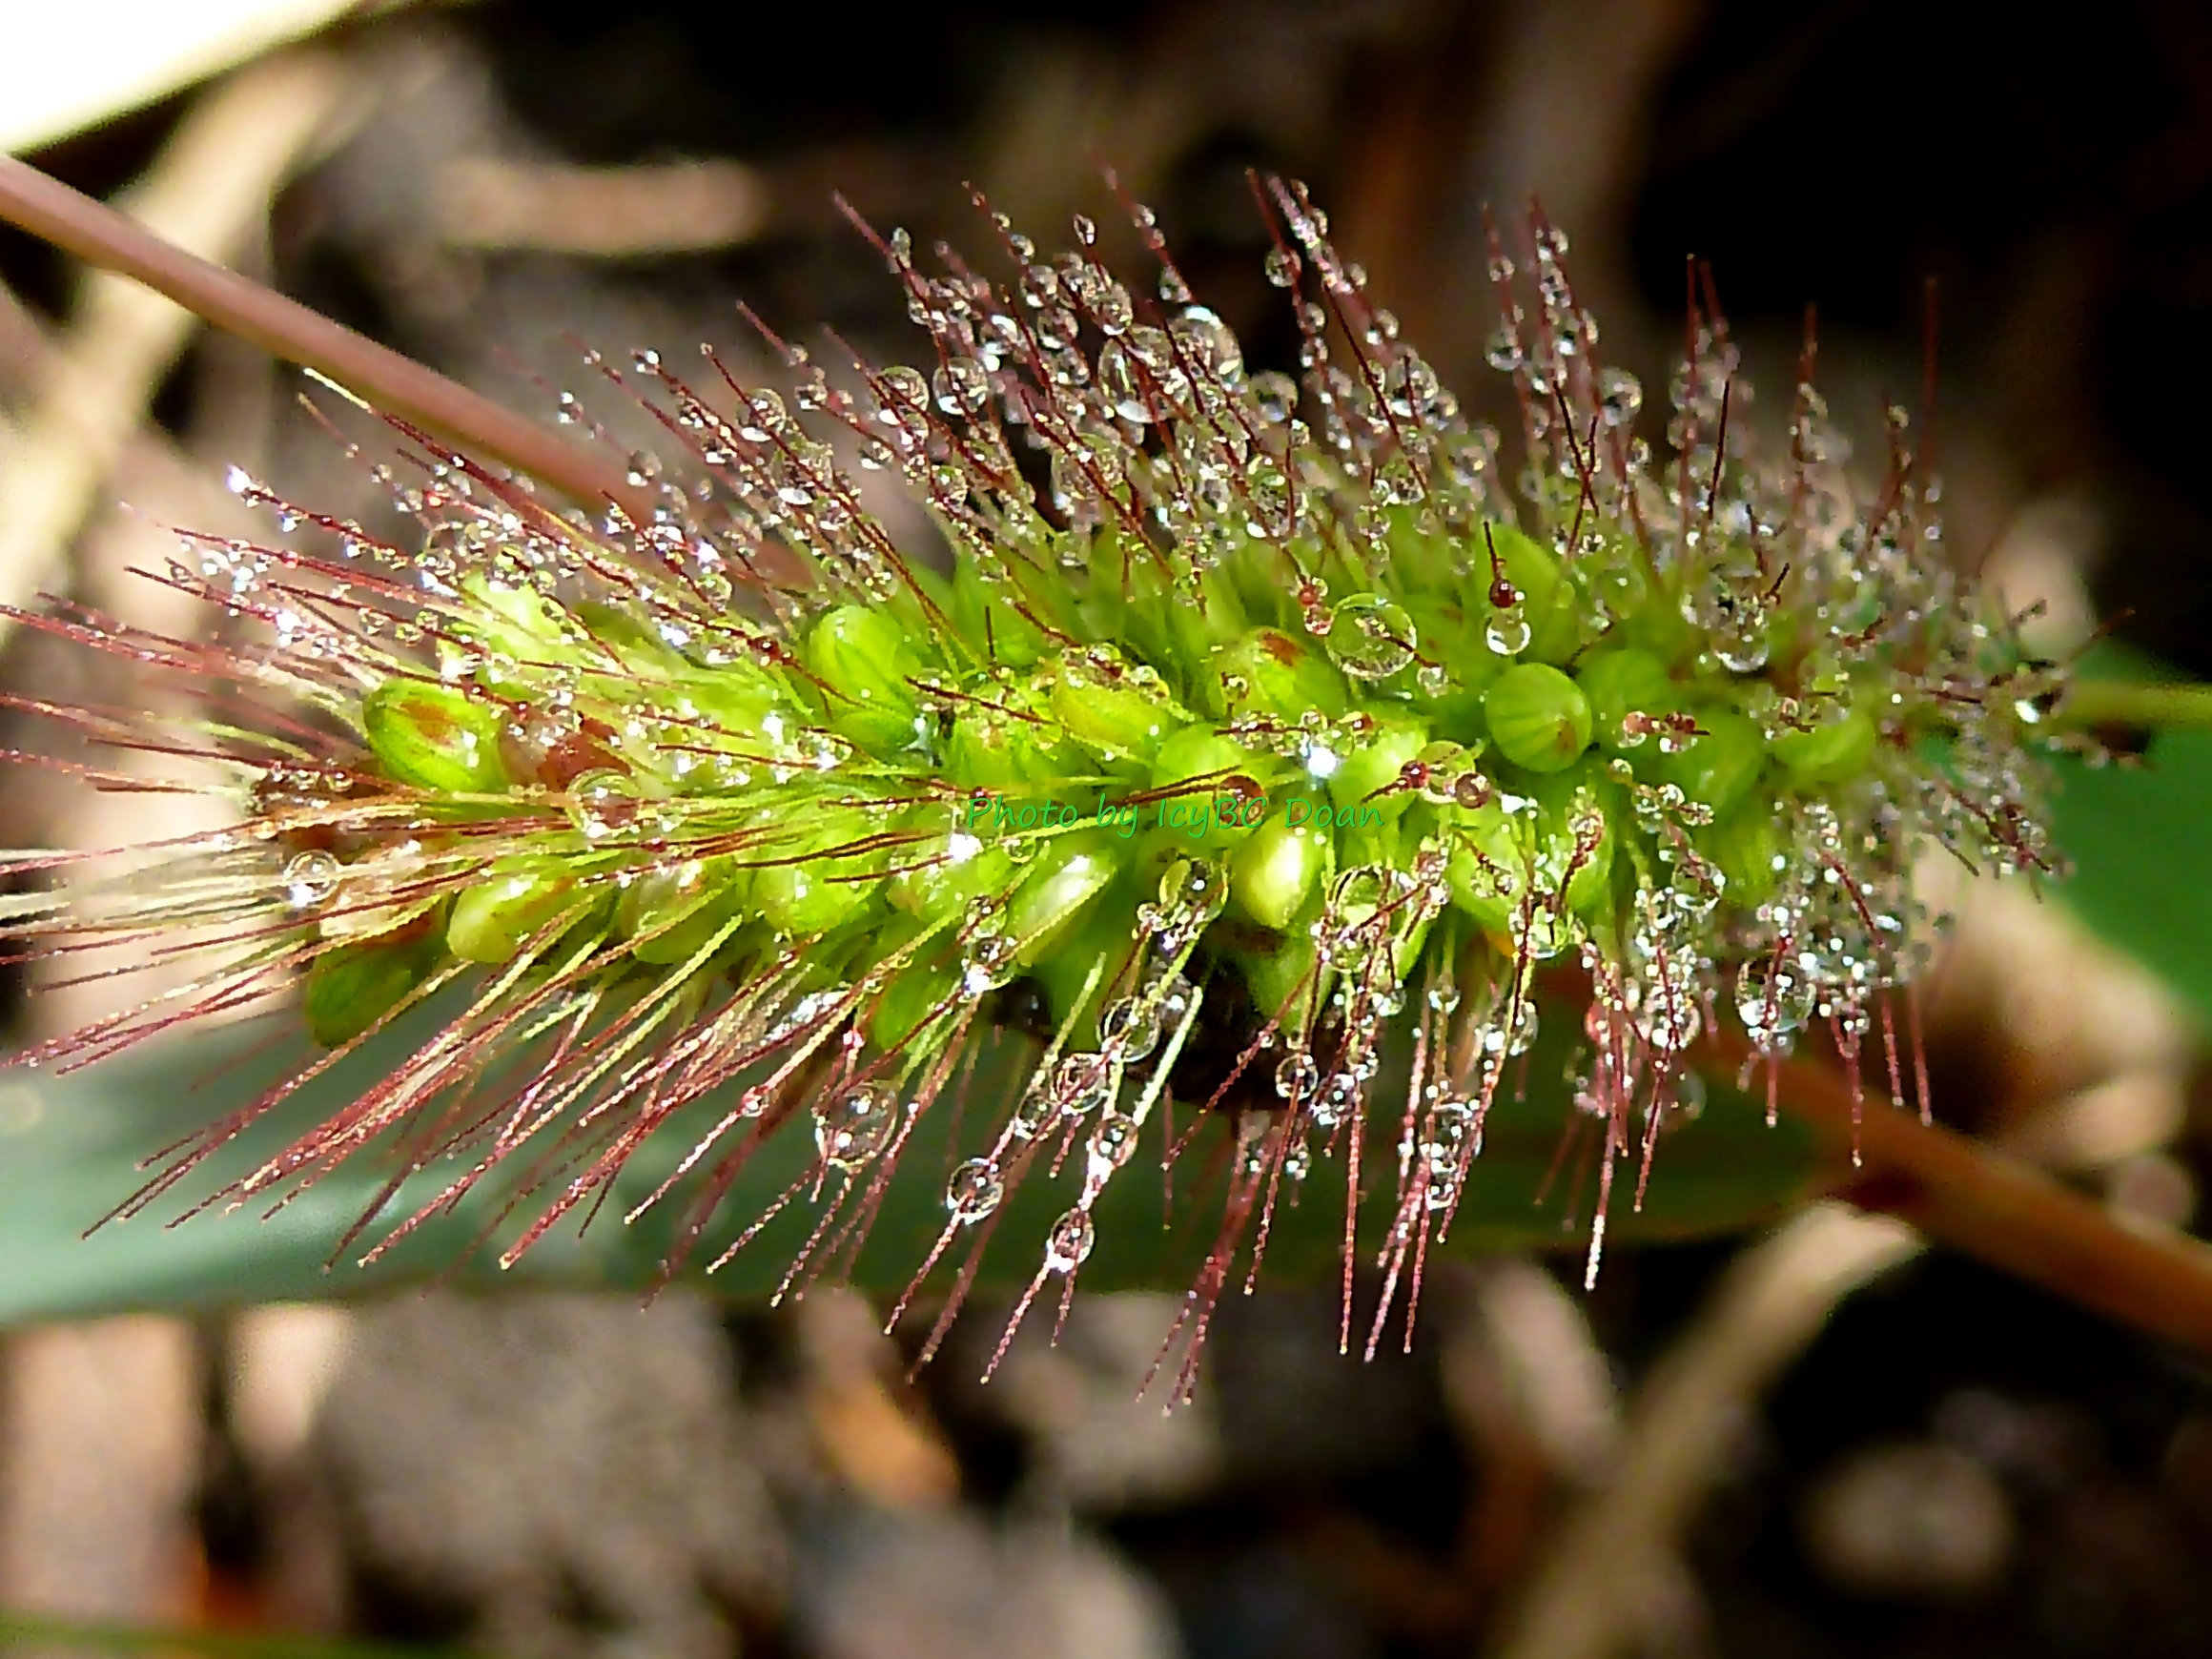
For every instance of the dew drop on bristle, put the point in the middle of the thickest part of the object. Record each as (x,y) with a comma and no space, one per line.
(1370,637)
(310,879)
(1080,1084)
(1069,1244)
(975,1189)
(1113,1140)
(857,1125)
(988,962)
(1296,1076)
(602,802)
(1132,1026)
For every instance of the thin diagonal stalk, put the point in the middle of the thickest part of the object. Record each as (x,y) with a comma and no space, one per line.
(2001,1211)
(2128,703)
(100,235)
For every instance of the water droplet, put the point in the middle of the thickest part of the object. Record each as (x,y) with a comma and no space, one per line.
(310,879)
(974,1190)
(1448,1126)
(1069,1244)
(1370,637)
(1078,1084)
(1134,1023)
(1619,396)
(1336,1100)
(1496,1039)
(1176,997)
(1115,1139)
(1296,1076)
(856,1126)
(1275,399)
(1195,885)
(1507,632)
(603,801)
(1472,791)
(1033,1113)
(1773,999)
(1209,343)
(961,386)
(987,963)
(1668,1015)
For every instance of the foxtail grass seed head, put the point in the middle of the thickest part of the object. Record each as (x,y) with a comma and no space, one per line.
(1239,691)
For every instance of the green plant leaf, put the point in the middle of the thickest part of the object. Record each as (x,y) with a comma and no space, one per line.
(71,1146)
(2140,838)
(52,1635)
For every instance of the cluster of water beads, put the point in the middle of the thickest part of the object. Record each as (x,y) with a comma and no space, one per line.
(1708,521)
(1067,1088)
(857,1125)
(631,758)
(310,879)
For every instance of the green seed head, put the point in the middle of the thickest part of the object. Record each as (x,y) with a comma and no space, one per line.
(1257,730)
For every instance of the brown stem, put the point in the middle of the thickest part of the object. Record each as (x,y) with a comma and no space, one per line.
(2002,1212)
(102,236)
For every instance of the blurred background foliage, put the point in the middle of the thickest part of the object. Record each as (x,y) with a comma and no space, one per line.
(1819,1440)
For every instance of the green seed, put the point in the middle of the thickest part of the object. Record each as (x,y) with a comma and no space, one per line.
(1117,719)
(517,628)
(907,1003)
(1070,871)
(1619,683)
(985,615)
(807,882)
(992,750)
(1271,672)
(1272,873)
(1745,845)
(951,867)
(1105,936)
(799,900)
(864,658)
(1212,816)
(350,990)
(1554,631)
(1569,806)
(1279,979)
(680,911)
(1834,752)
(1538,717)
(493,919)
(434,738)
(1720,768)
